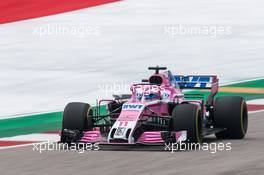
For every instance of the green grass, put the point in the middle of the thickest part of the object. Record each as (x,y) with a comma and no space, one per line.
(30,124)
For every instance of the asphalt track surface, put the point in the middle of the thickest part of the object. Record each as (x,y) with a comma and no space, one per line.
(245,157)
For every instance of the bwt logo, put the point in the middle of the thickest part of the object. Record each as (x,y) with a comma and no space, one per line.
(132,106)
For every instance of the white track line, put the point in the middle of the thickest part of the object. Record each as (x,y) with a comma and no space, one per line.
(29,114)
(254,112)
(16,146)
(35,137)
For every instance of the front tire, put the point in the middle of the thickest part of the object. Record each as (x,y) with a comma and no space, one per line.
(77,116)
(188,117)
(230,112)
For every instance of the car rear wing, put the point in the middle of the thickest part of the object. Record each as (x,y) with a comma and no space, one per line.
(209,82)
(196,81)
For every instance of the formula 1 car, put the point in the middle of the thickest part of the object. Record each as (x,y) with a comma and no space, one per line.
(157,112)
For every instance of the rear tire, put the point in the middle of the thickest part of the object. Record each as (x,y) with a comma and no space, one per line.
(230,112)
(187,117)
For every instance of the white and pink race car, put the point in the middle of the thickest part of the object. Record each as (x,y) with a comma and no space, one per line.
(157,112)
